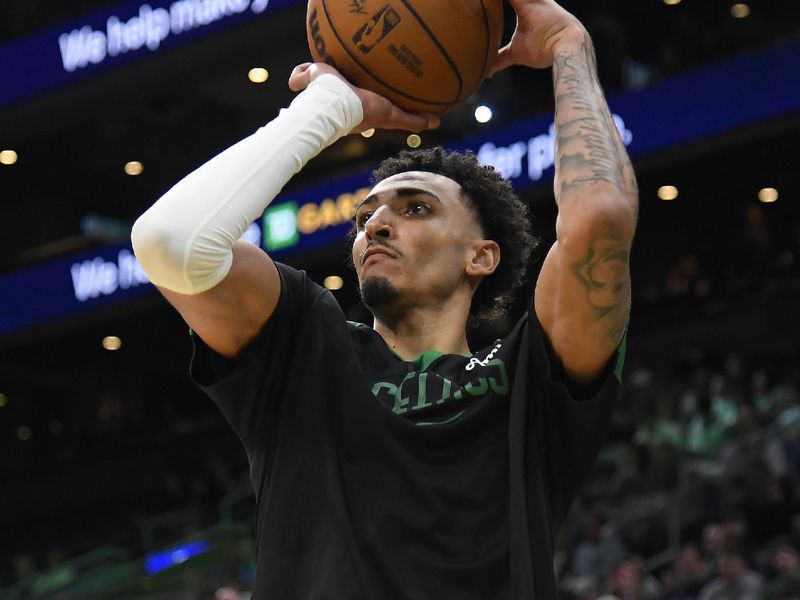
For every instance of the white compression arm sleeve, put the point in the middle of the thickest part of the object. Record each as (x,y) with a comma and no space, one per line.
(183,242)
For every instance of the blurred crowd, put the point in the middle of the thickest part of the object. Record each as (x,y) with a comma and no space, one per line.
(745,252)
(699,497)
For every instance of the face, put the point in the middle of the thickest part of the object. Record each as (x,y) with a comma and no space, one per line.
(786,561)
(416,242)
(732,567)
(691,560)
(714,538)
(627,577)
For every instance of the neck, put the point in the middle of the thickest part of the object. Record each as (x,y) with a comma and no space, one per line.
(420,329)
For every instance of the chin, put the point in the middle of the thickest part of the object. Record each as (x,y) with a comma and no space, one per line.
(378,292)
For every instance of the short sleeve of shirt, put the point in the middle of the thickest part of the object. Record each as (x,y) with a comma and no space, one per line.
(250,389)
(570,430)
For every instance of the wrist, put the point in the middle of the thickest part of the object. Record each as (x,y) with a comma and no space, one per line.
(571,39)
(352,104)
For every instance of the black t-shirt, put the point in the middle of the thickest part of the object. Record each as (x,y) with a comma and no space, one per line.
(381,479)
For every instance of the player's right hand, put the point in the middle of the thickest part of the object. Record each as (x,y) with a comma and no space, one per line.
(379,112)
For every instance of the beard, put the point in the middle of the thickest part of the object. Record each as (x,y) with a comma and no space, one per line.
(377,292)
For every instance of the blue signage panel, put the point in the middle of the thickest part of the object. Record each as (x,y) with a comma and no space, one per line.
(682,109)
(112,37)
(68,287)
(76,285)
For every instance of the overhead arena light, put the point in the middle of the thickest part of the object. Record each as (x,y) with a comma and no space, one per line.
(8,157)
(133,168)
(258,75)
(768,195)
(667,192)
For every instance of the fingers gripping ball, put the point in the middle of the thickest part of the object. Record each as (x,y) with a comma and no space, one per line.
(423,55)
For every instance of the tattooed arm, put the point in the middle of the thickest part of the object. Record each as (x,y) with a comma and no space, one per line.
(583,293)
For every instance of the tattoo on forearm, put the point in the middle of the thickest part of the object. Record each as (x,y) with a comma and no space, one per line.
(589,148)
(603,272)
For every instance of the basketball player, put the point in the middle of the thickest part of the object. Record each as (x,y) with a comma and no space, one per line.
(393,461)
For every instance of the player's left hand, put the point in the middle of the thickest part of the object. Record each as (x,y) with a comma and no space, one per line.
(379,112)
(541,26)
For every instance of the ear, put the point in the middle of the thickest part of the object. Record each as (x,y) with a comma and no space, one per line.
(484,258)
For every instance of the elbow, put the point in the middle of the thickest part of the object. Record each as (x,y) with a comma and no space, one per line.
(610,207)
(177,259)
(148,241)
(616,215)
(603,216)
(158,252)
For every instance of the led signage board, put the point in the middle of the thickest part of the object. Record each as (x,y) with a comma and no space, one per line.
(148,28)
(112,37)
(76,285)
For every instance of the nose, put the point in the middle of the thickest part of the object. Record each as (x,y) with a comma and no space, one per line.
(379,224)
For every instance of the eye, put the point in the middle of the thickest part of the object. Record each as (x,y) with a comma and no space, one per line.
(361,219)
(418,208)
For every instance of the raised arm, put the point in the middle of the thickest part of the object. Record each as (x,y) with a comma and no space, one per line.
(582,295)
(187,242)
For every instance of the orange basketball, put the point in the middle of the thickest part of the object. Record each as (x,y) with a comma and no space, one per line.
(424,55)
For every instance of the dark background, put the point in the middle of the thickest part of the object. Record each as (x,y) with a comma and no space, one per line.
(117,436)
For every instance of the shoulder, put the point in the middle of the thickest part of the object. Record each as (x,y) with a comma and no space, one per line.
(307,315)
(297,282)
(544,365)
(556,370)
(300,293)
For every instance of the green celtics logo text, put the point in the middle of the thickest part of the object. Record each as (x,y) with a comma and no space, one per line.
(418,391)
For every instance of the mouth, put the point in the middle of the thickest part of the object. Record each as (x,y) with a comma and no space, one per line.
(375,251)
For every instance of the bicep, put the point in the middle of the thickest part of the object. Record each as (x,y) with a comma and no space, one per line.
(583,298)
(231,314)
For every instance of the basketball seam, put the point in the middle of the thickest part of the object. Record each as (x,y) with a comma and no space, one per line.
(378,79)
(488,39)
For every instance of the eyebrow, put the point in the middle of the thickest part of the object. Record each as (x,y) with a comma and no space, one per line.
(402,192)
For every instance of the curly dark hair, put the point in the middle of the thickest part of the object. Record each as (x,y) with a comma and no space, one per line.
(503,217)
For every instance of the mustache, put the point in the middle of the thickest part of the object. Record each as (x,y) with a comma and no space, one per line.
(381,243)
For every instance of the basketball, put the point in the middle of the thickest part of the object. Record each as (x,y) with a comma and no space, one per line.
(423,55)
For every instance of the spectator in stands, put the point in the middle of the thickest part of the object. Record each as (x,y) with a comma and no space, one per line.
(690,572)
(659,427)
(737,533)
(686,278)
(724,396)
(630,581)
(704,434)
(736,581)
(584,587)
(714,543)
(786,583)
(598,550)
(736,451)
(760,396)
